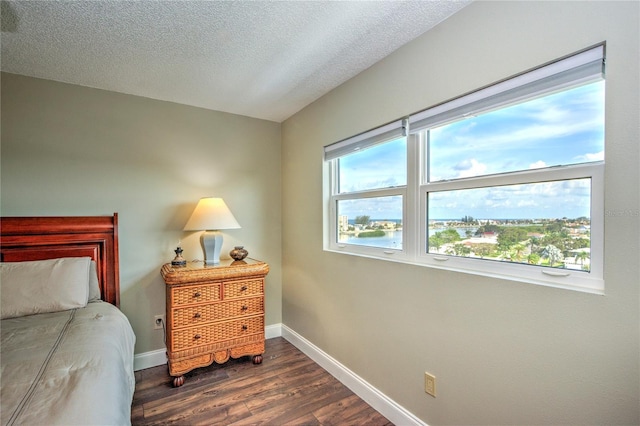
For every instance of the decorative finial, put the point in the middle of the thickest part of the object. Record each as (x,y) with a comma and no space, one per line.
(178,260)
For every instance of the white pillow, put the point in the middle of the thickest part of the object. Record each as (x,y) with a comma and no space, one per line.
(94,284)
(35,287)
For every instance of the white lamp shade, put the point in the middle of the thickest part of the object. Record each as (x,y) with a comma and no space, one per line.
(211,214)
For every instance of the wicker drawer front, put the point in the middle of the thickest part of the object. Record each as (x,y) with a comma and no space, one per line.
(204,335)
(194,315)
(195,294)
(243,288)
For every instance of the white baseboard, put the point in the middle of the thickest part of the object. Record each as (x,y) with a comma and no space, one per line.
(149,359)
(271,331)
(372,396)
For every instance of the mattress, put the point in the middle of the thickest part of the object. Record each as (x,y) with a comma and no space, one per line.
(72,367)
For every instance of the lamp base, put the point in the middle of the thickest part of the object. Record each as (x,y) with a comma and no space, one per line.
(211,245)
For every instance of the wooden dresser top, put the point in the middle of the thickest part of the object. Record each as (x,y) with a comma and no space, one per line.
(197,272)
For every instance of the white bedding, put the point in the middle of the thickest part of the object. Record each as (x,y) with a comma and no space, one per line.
(70,368)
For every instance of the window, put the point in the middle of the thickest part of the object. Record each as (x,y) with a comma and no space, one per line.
(370,187)
(506,181)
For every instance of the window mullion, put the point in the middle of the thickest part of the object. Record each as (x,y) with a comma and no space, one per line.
(398,190)
(515,178)
(410,220)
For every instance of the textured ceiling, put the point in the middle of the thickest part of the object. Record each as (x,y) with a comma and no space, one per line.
(263,59)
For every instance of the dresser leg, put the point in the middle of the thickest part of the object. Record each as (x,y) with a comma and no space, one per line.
(257,359)
(178,381)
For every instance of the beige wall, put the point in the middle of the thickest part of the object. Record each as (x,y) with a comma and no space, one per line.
(503,352)
(71,150)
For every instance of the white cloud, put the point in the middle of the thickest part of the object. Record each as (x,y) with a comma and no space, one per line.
(592,156)
(468,168)
(527,203)
(538,165)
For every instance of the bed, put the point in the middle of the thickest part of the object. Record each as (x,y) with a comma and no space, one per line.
(67,350)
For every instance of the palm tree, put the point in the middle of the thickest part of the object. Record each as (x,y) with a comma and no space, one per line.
(533,258)
(534,242)
(517,252)
(436,242)
(582,256)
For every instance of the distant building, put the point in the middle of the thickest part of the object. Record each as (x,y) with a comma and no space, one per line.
(385,224)
(343,222)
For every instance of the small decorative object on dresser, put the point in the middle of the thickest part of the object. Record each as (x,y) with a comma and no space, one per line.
(238,253)
(214,312)
(178,260)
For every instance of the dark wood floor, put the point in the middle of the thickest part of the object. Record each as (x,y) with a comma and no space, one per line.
(288,388)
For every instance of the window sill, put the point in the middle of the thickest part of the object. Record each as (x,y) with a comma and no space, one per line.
(549,277)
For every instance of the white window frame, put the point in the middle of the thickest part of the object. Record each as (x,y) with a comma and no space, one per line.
(558,75)
(383,134)
(564,278)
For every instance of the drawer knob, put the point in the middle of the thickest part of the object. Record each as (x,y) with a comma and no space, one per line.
(244,327)
(197,336)
(197,294)
(197,315)
(243,288)
(244,308)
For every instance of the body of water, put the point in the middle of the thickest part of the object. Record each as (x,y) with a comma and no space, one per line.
(393,239)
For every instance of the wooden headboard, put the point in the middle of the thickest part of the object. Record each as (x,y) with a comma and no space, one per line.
(39,238)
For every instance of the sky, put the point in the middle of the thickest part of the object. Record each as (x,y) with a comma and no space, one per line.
(558,129)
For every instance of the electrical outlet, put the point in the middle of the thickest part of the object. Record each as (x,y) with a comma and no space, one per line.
(158,320)
(430,384)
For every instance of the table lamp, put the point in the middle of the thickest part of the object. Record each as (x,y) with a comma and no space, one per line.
(211,215)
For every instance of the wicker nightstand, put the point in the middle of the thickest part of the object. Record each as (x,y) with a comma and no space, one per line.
(214,312)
